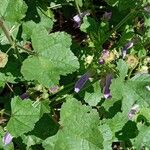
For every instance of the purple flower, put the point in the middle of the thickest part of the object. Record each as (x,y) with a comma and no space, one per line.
(107,16)
(78,18)
(54,89)
(101,61)
(126,47)
(134,110)
(107,86)
(80,83)
(104,56)
(24,96)
(7,139)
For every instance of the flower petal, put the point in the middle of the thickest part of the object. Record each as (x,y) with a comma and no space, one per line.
(7,139)
(107,86)
(81,82)
(126,47)
(78,18)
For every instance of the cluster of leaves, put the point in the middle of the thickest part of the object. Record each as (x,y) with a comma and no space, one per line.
(43,52)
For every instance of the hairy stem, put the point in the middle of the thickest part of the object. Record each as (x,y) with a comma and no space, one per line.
(10,38)
(6,32)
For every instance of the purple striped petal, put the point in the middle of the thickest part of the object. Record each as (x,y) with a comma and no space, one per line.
(126,47)
(81,82)
(24,96)
(107,86)
(7,139)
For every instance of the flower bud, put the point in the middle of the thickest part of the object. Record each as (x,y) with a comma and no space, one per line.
(107,86)
(81,82)
(126,47)
(7,139)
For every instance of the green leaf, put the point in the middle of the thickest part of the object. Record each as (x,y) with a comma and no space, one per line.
(45,127)
(107,136)
(130,91)
(97,32)
(80,3)
(123,5)
(147,21)
(31,140)
(29,26)
(13,10)
(54,58)
(27,29)
(138,84)
(109,128)
(129,99)
(146,113)
(143,138)
(134,91)
(79,128)
(43,107)
(93,98)
(123,69)
(45,21)
(116,88)
(4,78)
(23,117)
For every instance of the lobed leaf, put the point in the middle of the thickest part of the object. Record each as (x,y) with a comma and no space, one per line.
(54,58)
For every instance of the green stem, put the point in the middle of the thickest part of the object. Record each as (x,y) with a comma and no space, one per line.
(121,23)
(58,5)
(129,74)
(10,38)
(25,49)
(7,114)
(6,32)
(3,112)
(58,99)
(78,8)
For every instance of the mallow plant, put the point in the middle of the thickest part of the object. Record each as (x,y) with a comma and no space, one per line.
(74,74)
